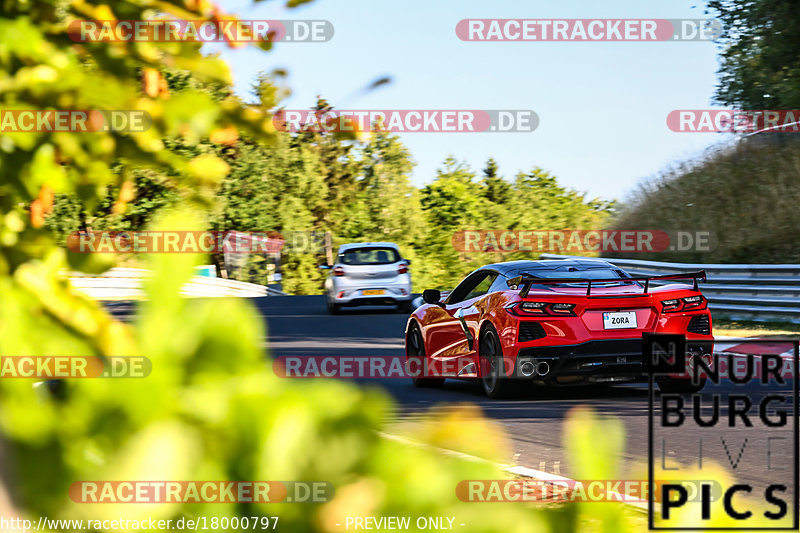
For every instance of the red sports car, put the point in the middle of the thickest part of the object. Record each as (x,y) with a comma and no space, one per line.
(565,321)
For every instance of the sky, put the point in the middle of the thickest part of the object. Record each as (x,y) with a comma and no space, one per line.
(602,106)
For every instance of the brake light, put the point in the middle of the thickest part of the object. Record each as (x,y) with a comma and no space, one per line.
(693,302)
(562,309)
(402,268)
(670,305)
(530,308)
(683,304)
(540,309)
(338,271)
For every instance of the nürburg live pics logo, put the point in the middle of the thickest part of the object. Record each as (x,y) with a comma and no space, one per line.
(740,429)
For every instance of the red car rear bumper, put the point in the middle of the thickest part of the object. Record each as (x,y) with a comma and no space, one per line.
(566,352)
(592,361)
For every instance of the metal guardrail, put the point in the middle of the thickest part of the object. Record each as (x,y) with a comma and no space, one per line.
(127,284)
(737,292)
(272,291)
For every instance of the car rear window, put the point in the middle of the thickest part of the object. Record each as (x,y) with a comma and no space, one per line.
(591,273)
(369,256)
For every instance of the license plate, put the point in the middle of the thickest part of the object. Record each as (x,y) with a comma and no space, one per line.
(620,320)
(373,292)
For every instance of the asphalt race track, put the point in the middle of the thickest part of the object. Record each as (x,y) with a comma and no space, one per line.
(300,326)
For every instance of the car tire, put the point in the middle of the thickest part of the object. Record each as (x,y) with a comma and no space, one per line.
(681,386)
(333,309)
(494,381)
(415,347)
(404,307)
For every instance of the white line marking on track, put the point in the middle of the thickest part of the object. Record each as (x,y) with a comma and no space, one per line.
(520,471)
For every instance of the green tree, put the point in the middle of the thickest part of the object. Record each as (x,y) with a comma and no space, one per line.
(452,202)
(497,190)
(760,58)
(541,203)
(340,169)
(392,203)
(498,194)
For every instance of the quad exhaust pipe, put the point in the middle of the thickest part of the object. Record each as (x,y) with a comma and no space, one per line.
(542,368)
(529,368)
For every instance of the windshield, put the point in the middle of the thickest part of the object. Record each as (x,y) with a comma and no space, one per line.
(369,256)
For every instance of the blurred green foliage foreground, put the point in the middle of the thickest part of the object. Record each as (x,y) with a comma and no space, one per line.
(211,409)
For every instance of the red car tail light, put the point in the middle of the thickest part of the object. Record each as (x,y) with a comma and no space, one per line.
(683,304)
(527,309)
(694,302)
(668,306)
(541,309)
(402,268)
(562,309)
(338,271)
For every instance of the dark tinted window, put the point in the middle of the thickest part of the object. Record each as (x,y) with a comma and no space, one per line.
(573,273)
(500,284)
(482,287)
(474,285)
(593,273)
(369,256)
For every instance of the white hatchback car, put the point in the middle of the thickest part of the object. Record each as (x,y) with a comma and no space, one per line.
(368,273)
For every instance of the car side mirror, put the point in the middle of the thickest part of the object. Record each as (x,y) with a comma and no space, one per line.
(431,296)
(408,261)
(324,266)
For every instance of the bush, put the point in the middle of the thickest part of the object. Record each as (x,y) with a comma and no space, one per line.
(746,195)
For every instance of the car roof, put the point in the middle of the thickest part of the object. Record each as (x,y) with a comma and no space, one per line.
(513,268)
(351,245)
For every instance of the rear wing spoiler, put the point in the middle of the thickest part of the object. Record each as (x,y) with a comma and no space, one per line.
(524,282)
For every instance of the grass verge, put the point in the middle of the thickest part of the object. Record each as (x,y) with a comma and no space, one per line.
(747,328)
